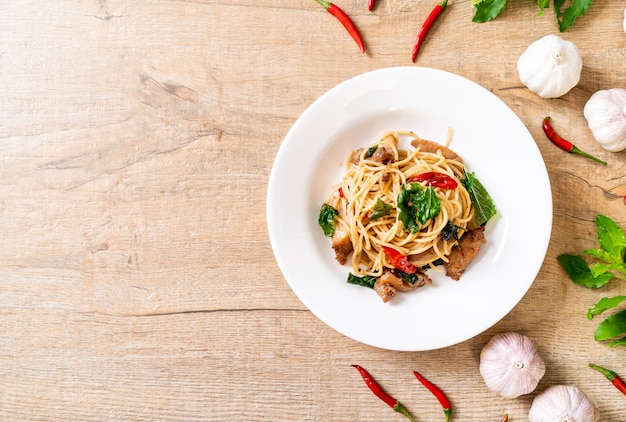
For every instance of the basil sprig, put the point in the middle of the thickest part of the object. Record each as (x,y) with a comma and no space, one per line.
(417,206)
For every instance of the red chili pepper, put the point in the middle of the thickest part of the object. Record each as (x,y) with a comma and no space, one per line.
(345,21)
(428,23)
(433,178)
(370,5)
(611,376)
(445,403)
(564,144)
(340,191)
(381,394)
(505,418)
(399,261)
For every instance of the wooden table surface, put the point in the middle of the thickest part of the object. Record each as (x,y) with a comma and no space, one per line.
(137,277)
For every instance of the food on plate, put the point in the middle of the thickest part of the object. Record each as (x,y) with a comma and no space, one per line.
(399,212)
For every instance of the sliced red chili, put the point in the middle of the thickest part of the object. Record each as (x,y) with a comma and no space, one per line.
(345,21)
(564,144)
(340,191)
(435,179)
(399,261)
(428,23)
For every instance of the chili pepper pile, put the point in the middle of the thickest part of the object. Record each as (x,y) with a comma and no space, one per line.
(395,404)
(347,22)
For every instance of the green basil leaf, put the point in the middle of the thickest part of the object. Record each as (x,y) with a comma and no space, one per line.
(483,204)
(487,10)
(428,205)
(604,304)
(370,151)
(543,4)
(381,209)
(612,327)
(611,239)
(566,17)
(450,231)
(326,219)
(405,205)
(367,281)
(579,272)
(620,342)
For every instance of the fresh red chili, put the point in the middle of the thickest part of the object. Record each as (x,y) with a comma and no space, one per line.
(505,418)
(345,21)
(611,376)
(428,23)
(433,178)
(381,394)
(445,403)
(564,144)
(399,261)
(340,191)
(370,4)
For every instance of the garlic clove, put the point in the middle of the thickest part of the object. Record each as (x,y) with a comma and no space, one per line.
(563,403)
(550,66)
(511,365)
(605,112)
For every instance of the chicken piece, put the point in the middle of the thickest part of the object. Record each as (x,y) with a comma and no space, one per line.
(355,157)
(388,284)
(433,147)
(462,253)
(342,245)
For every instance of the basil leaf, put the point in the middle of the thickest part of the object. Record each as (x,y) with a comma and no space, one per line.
(405,205)
(604,304)
(611,239)
(367,281)
(483,204)
(417,206)
(566,17)
(370,151)
(612,327)
(620,342)
(428,205)
(578,271)
(543,4)
(381,209)
(326,219)
(450,230)
(487,10)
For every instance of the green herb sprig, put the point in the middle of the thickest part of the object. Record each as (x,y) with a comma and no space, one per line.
(609,264)
(487,10)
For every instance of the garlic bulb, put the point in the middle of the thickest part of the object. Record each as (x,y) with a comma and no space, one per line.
(605,112)
(511,365)
(624,20)
(550,66)
(563,403)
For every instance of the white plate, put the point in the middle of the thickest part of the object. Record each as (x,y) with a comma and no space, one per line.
(494,144)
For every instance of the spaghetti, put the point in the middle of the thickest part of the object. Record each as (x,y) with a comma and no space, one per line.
(400,211)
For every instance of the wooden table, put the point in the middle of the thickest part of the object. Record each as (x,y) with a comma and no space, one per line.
(137,278)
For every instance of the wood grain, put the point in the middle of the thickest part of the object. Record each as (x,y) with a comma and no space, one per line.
(137,279)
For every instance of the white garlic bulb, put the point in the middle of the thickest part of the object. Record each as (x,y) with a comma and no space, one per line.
(511,365)
(563,403)
(624,20)
(550,66)
(605,112)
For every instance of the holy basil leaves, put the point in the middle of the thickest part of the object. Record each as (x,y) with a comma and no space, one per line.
(487,10)
(483,204)
(366,281)
(608,263)
(417,205)
(380,210)
(325,219)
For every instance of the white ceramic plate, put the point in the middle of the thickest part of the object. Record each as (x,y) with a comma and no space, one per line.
(494,144)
